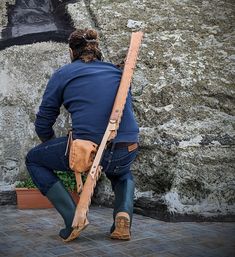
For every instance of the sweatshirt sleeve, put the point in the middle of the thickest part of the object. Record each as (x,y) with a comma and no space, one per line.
(49,108)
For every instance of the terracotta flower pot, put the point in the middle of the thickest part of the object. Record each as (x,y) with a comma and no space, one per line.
(31,198)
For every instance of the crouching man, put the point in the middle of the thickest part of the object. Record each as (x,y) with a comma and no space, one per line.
(87,88)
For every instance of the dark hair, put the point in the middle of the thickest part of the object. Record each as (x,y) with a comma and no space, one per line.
(84,43)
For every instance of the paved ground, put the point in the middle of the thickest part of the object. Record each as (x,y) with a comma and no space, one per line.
(33,233)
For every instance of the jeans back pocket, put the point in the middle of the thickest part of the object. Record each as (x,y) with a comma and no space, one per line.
(121,164)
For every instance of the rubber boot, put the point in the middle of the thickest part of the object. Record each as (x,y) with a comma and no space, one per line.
(64,204)
(123,210)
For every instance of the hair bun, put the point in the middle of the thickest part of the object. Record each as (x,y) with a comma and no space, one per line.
(91,34)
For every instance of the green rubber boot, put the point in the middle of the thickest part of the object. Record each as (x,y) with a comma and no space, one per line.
(64,204)
(123,210)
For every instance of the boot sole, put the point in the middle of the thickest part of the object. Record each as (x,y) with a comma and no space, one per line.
(75,233)
(122,227)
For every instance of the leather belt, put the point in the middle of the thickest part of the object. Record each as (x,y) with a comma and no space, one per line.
(131,145)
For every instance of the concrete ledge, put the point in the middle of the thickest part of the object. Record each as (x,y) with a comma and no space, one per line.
(153,209)
(8,198)
(158,210)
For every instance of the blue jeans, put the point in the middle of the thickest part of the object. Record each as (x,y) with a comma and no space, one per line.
(44,159)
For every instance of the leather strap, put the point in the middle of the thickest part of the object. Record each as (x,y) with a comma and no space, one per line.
(125,83)
(111,131)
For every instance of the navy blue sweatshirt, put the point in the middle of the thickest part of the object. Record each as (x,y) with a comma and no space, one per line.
(87,90)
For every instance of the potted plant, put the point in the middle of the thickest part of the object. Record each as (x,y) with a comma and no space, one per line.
(29,197)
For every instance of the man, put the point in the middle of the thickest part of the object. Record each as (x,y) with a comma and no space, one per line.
(87,88)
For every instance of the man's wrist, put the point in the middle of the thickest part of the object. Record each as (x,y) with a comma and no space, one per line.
(43,139)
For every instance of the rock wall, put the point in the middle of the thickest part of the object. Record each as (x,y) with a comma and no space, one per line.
(183,92)
(3,12)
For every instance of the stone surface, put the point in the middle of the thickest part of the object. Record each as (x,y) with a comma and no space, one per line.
(183,91)
(24,73)
(3,12)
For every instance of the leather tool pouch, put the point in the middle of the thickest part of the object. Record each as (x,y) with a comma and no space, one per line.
(81,154)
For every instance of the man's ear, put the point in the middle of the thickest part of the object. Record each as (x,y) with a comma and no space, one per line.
(71,54)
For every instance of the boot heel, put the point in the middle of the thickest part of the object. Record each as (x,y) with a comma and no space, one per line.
(122,227)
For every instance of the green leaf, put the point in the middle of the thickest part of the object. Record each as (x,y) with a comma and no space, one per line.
(67,178)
